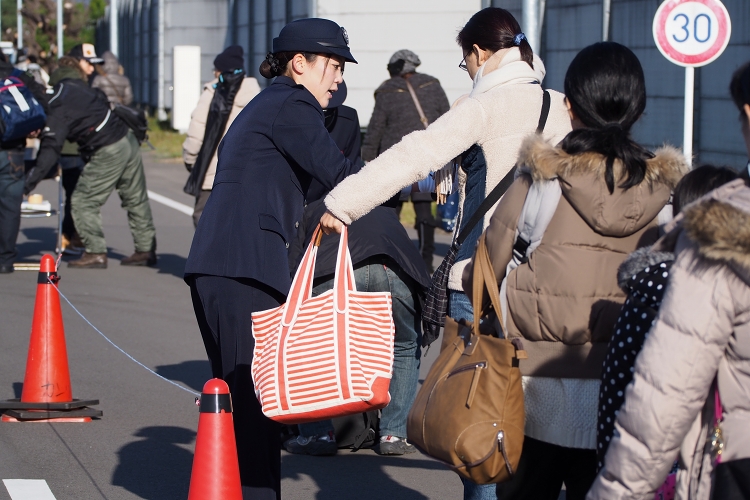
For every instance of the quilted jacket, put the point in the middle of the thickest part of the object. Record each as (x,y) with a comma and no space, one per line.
(701,334)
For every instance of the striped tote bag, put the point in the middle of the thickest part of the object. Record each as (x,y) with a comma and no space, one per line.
(326,356)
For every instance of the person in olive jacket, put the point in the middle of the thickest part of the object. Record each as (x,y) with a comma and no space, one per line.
(81,114)
(238,260)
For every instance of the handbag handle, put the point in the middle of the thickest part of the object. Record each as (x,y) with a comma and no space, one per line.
(484,277)
(301,289)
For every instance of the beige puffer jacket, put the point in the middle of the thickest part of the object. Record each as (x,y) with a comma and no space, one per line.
(702,332)
(112,83)
(197,128)
(565,300)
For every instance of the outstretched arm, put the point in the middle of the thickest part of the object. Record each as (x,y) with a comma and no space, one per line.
(407,162)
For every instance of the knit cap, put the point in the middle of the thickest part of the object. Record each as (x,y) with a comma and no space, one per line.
(411,61)
(231,59)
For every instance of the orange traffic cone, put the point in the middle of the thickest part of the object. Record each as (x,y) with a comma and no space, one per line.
(47,394)
(47,377)
(216,472)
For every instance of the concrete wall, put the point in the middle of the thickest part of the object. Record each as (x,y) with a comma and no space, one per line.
(378,29)
(429,27)
(186,22)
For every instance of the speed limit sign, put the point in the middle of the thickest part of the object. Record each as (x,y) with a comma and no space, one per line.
(692,32)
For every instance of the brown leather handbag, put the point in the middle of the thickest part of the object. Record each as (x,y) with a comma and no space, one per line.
(469,412)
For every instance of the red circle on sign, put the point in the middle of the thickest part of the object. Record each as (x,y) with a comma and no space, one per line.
(697,59)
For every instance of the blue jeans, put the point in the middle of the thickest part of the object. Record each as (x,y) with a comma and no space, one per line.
(459,307)
(380,277)
(11,195)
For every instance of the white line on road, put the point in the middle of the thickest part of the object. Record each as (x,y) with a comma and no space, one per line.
(180,207)
(28,489)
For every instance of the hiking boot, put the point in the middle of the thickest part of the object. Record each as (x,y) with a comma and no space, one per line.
(392,445)
(140,259)
(90,261)
(72,245)
(318,446)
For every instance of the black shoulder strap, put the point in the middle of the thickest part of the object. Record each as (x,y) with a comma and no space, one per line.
(546,101)
(505,183)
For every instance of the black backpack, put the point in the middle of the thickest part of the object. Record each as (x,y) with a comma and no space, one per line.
(356,431)
(135,119)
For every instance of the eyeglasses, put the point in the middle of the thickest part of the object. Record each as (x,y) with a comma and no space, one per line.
(462,64)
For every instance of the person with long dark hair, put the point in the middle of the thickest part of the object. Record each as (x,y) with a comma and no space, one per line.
(220,103)
(602,194)
(238,262)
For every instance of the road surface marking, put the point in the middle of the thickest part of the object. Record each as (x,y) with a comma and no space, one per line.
(180,207)
(28,489)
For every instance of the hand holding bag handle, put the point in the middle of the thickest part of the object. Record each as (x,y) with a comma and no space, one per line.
(301,289)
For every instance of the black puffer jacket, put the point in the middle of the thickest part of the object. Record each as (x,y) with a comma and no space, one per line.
(79,114)
(395,114)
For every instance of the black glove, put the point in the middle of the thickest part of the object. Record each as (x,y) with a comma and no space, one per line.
(189,166)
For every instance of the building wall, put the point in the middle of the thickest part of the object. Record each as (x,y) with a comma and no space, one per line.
(378,29)
(429,27)
(186,22)
(571,25)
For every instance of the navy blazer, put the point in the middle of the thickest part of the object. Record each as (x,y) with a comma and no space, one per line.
(274,148)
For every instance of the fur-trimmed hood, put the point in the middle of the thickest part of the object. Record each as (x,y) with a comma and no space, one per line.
(581,176)
(720,225)
(636,262)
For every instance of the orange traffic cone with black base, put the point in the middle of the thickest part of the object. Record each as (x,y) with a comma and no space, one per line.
(47,395)
(216,472)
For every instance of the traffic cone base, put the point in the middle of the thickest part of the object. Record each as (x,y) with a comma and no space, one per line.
(75,420)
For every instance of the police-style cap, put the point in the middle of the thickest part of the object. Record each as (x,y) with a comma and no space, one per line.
(316,36)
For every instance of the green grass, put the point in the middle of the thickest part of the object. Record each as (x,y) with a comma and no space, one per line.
(408,216)
(168,142)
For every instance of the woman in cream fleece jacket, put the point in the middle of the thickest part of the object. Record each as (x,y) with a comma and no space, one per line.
(486,128)
(502,108)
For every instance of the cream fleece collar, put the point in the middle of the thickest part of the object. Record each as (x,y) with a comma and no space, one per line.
(506,67)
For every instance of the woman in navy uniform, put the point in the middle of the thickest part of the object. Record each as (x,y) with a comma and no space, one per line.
(238,260)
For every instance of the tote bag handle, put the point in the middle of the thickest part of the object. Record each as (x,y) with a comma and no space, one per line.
(301,289)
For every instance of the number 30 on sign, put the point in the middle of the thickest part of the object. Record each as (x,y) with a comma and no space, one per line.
(692,32)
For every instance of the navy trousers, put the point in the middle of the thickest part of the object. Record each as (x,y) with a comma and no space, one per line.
(11,196)
(222,308)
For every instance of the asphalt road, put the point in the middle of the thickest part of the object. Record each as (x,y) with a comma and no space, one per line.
(143,446)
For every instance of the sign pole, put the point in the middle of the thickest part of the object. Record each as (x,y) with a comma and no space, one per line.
(60,21)
(689,107)
(691,33)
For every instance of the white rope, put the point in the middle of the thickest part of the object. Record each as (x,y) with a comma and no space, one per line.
(117,347)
